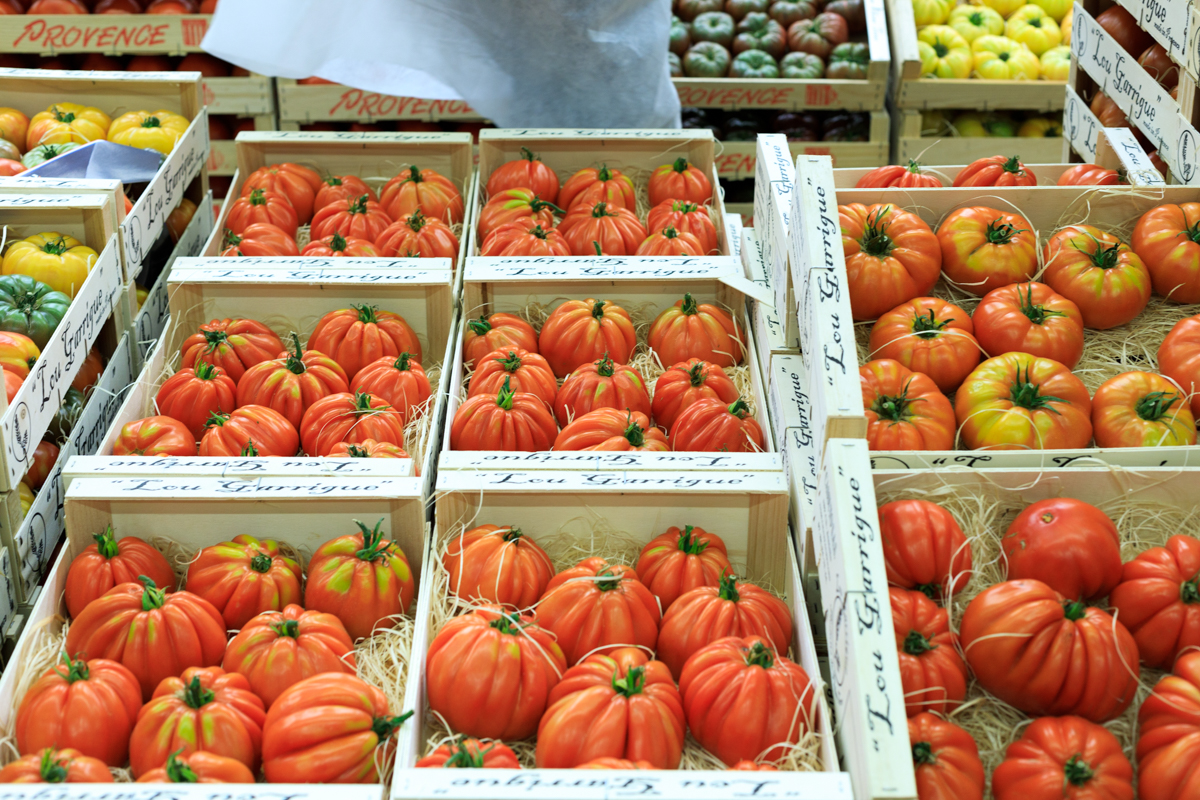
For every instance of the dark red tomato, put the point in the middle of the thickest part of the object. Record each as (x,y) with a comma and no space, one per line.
(1068,544)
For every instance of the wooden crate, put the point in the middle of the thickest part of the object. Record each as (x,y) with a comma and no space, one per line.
(308,511)
(1047,209)
(32,91)
(754,527)
(222,154)
(51,34)
(911,91)
(288,300)
(331,102)
(736,160)
(911,145)
(646,284)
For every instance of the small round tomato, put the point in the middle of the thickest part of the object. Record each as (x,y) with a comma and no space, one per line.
(1029,318)
(1020,402)
(1167,238)
(891,257)
(984,249)
(905,410)
(996,171)
(930,336)
(1141,409)
(1067,544)
(1096,271)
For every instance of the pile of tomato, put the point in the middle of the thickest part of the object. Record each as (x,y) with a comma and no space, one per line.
(149,677)
(240,391)
(514,400)
(599,212)
(1042,642)
(411,217)
(1008,363)
(586,660)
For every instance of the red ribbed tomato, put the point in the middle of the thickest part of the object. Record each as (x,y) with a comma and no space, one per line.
(359,218)
(418,236)
(621,705)
(511,421)
(193,394)
(601,229)
(678,561)
(613,430)
(369,448)
(616,763)
(1167,239)
(1086,666)
(984,249)
(912,176)
(260,240)
(746,765)
(1067,544)
(1029,318)
(234,345)
(203,709)
(249,431)
(424,190)
(1158,599)
(1064,757)
(932,673)
(528,172)
(56,766)
(489,673)
(110,562)
(1179,358)
(1089,175)
(522,239)
(244,577)
(90,706)
(1099,273)
(924,548)
(488,334)
(262,206)
(945,760)
(601,384)
(525,372)
(461,752)
(589,186)
(399,382)
(291,382)
(1141,409)
(497,565)
(90,372)
(891,257)
(684,383)
(518,205)
(296,183)
(690,329)
(581,331)
(340,188)
(1168,746)
(155,634)
(904,409)
(710,426)
(680,180)
(349,417)
(670,242)
(744,700)
(199,767)
(337,246)
(930,336)
(356,336)
(278,649)
(363,579)
(685,217)
(996,171)
(45,456)
(595,607)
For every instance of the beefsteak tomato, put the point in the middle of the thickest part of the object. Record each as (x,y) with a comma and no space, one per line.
(511,421)
(369,448)
(356,336)
(298,184)
(932,673)
(525,372)
(595,607)
(891,257)
(1141,409)
(193,394)
(292,382)
(929,336)
(249,431)
(690,329)
(1064,757)
(349,417)
(234,345)
(684,383)
(521,239)
(1029,318)
(583,331)
(488,334)
(1167,239)
(45,455)
(685,217)
(527,172)
(461,752)
(262,206)
(31,308)
(1100,274)
(984,249)
(897,176)
(359,218)
(1158,599)
(56,766)
(1179,358)
(1169,734)
(111,562)
(905,410)
(199,767)
(709,425)
(18,353)
(611,429)
(680,180)
(61,262)
(337,246)
(418,236)
(497,565)
(601,384)
(423,190)
(67,123)
(1090,175)
(261,239)
(340,188)
(399,382)
(519,205)
(1071,546)
(601,229)
(945,760)
(669,242)
(155,436)
(995,171)
(676,562)
(924,548)
(590,186)
(244,577)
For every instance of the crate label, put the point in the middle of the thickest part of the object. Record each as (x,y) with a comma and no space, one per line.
(492,135)
(752,260)
(1131,457)
(803,465)
(242,467)
(603,267)
(733,234)
(1135,162)
(827,344)
(1192,56)
(64,33)
(877,30)
(8,597)
(283,270)
(40,396)
(1080,126)
(774,160)
(185,486)
(304,103)
(1167,21)
(40,183)
(791,406)
(816,242)
(454,480)
(189,791)
(93,200)
(145,221)
(272,137)
(604,461)
(552,784)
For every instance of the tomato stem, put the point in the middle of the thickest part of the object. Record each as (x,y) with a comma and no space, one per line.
(1103,257)
(178,772)
(760,656)
(609,578)
(596,245)
(941,49)
(414,174)
(52,771)
(930,590)
(1074,610)
(1025,394)
(366,313)
(603,175)
(537,204)
(55,247)
(922,753)
(1077,771)
(684,207)
(634,433)
(257,197)
(1189,591)
(402,362)
(1014,165)
(63,116)
(384,727)
(507,624)
(288,627)
(689,543)
(333,180)
(510,363)
(913,167)
(152,596)
(505,397)
(196,696)
(374,545)
(354,451)
(249,450)
(261,563)
(1155,405)
(680,165)
(598,309)
(669,232)
(633,683)
(213,340)
(601,210)
(480,326)
(106,543)
(1001,232)
(528,155)
(463,756)
(916,643)
(215,419)
(697,374)
(739,408)
(295,357)
(604,367)
(728,588)
(690,306)
(1036,312)
(538,232)
(151,122)
(875,242)
(205,371)
(337,243)
(893,408)
(358,206)
(416,221)
(76,670)
(513,535)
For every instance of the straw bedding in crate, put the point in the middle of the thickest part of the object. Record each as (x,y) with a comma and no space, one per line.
(984,515)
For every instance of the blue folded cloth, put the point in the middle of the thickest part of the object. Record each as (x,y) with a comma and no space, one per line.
(101,160)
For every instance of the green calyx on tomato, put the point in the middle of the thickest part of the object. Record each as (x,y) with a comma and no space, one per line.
(462,757)
(152,596)
(1074,610)
(337,243)
(1001,232)
(597,247)
(374,545)
(366,315)
(196,696)
(603,175)
(414,175)
(333,180)
(75,670)
(1076,771)
(359,206)
(215,419)
(760,656)
(261,562)
(1189,591)
(926,326)
(213,340)
(633,682)
(354,451)
(478,326)
(507,624)
(669,232)
(179,772)
(875,242)
(416,221)
(1013,164)
(510,363)
(106,543)
(151,122)
(604,367)
(384,727)
(528,155)
(739,408)
(684,207)
(893,408)
(697,375)
(915,644)
(601,210)
(63,116)
(512,535)
(689,544)
(257,197)
(727,590)
(231,239)
(504,397)
(55,247)
(634,434)
(1027,395)
(1155,405)
(402,362)
(608,579)
(690,306)
(930,590)
(1037,313)
(922,753)
(537,231)
(537,204)
(52,771)
(680,165)
(941,49)
(288,627)
(204,370)
(1104,257)
(249,451)
(598,309)
(295,359)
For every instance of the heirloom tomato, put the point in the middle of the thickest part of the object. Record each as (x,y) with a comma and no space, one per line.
(278,649)
(461,752)
(1029,318)
(1168,746)
(327,729)
(509,420)
(234,345)
(369,448)
(984,249)
(155,436)
(296,183)
(995,171)
(522,239)
(1085,663)
(891,257)
(1089,175)
(912,176)
(616,763)
(619,705)
(12,385)
(291,382)
(709,425)
(670,242)
(13,127)
(423,190)
(945,760)
(341,188)
(199,767)
(193,394)
(358,218)
(943,53)
(583,331)
(1167,239)
(90,706)
(262,239)
(67,123)
(61,262)
(1031,26)
(202,709)
(589,186)
(527,172)
(356,336)
(1141,409)
(399,382)
(363,579)
(931,12)
(1124,27)
(676,562)
(1179,358)
(680,180)
(90,372)
(56,766)
(1100,274)
(1020,402)
(685,217)
(18,353)
(1160,66)
(497,565)
(519,205)
(932,673)
(349,417)
(418,236)
(744,700)
(262,206)
(601,384)
(149,130)
(999,58)
(489,673)
(924,548)
(1064,757)
(1071,546)
(525,372)
(690,329)
(929,336)
(337,246)
(611,429)
(905,410)
(249,431)
(110,562)
(1055,65)
(595,607)
(804,66)
(1158,599)
(43,153)
(31,308)
(45,455)
(244,577)
(602,229)
(155,634)
(972,21)
(684,383)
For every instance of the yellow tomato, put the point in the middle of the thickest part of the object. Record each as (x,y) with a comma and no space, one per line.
(998,58)
(935,122)
(66,123)
(971,22)
(61,262)
(1056,63)
(142,293)
(1065,27)
(27,497)
(970,124)
(159,130)
(1034,28)
(944,54)
(931,12)
(1058,9)
(1040,128)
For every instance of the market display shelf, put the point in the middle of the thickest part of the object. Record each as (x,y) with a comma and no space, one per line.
(736,160)
(911,145)
(113,34)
